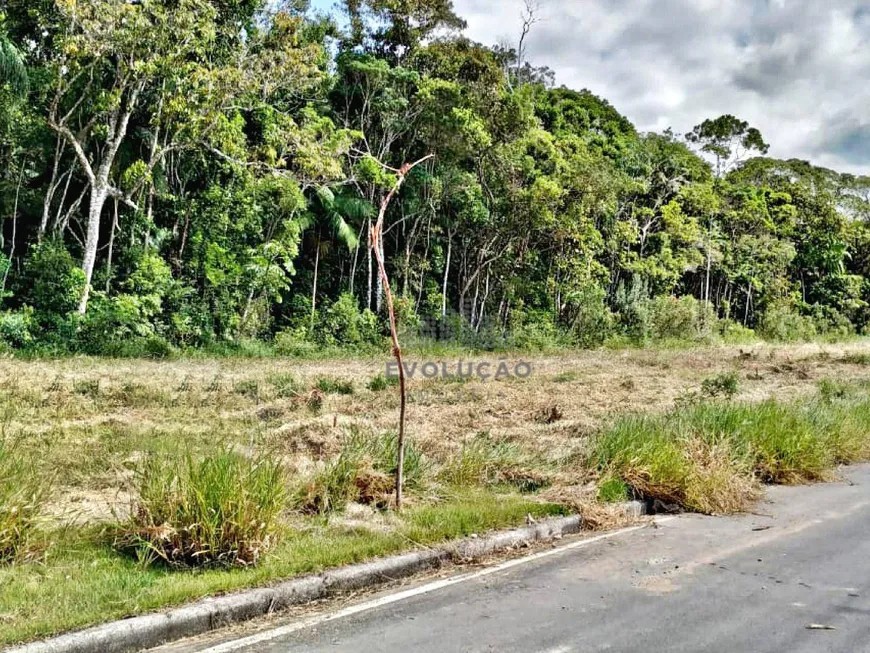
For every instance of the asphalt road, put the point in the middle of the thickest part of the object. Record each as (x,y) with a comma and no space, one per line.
(748,583)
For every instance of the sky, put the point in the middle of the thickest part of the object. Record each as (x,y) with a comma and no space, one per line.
(799,70)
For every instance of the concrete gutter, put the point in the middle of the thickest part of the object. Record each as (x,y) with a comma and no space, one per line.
(152,630)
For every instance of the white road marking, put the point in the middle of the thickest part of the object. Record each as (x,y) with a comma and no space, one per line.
(282,631)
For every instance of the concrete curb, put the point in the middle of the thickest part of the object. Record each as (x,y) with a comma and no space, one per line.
(152,630)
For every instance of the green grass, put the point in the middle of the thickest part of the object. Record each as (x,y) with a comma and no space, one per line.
(221,510)
(22,496)
(87,582)
(331,386)
(710,457)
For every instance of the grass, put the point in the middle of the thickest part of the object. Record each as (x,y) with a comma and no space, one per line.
(221,510)
(88,582)
(22,497)
(331,386)
(711,457)
(93,424)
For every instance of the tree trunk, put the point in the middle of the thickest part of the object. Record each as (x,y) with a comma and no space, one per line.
(446,274)
(314,285)
(111,247)
(99,193)
(14,224)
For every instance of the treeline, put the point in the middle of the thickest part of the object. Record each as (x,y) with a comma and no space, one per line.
(186,173)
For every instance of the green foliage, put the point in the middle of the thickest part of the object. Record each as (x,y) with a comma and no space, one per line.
(16,328)
(726,384)
(52,284)
(780,323)
(544,219)
(612,490)
(333,386)
(23,495)
(380,383)
(343,323)
(222,510)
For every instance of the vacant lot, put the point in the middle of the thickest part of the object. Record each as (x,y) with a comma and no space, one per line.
(92,420)
(481,454)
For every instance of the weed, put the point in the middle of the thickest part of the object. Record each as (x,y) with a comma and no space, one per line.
(285,385)
(381,383)
(249,388)
(22,496)
(485,461)
(612,490)
(87,387)
(221,510)
(726,384)
(332,386)
(363,471)
(830,390)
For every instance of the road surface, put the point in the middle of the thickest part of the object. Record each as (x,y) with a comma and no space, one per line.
(795,576)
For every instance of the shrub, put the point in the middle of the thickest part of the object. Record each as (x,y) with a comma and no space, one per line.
(726,384)
(682,319)
(293,343)
(52,283)
(343,324)
(16,326)
(535,331)
(633,309)
(780,324)
(734,333)
(221,510)
(591,321)
(23,494)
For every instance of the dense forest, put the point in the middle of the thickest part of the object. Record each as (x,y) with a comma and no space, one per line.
(205,173)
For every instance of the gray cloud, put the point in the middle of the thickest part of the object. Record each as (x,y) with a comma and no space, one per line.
(797,69)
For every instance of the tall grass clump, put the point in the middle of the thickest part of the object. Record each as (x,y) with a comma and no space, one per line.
(219,511)
(363,471)
(23,493)
(486,461)
(711,457)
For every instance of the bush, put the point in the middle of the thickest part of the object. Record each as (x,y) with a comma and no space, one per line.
(633,309)
(734,333)
(222,510)
(725,385)
(15,328)
(293,343)
(780,323)
(535,331)
(343,324)
(681,319)
(52,283)
(23,494)
(592,321)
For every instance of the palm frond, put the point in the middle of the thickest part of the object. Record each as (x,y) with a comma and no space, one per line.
(13,71)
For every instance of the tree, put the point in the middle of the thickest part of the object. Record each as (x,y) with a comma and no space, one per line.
(729,140)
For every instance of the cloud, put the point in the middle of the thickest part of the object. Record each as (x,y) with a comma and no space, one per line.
(796,69)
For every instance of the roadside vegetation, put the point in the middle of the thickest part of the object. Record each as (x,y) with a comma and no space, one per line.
(133,486)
